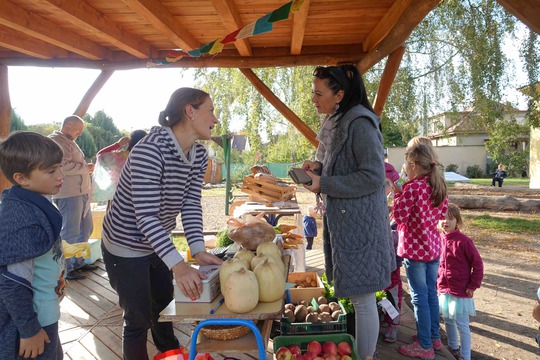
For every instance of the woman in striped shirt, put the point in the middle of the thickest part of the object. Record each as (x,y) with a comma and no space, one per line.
(161,179)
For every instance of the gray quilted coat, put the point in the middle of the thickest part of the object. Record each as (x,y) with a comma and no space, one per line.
(359,253)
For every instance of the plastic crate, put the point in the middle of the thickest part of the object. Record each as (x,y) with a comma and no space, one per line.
(304,340)
(331,327)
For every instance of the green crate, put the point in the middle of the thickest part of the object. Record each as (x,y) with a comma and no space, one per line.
(331,327)
(304,340)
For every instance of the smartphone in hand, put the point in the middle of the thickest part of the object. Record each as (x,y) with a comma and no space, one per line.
(299,176)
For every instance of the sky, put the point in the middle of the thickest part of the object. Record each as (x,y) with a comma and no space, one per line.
(132,98)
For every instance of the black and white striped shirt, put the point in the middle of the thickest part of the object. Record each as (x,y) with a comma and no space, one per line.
(157,183)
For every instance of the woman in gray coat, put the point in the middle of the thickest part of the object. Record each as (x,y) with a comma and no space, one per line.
(350,176)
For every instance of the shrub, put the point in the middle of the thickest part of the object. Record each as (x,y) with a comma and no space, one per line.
(452,168)
(475,172)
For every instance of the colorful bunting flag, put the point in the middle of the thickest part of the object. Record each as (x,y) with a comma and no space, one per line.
(263,25)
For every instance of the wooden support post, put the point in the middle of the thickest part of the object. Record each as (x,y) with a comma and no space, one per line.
(92,92)
(387,79)
(281,107)
(5,115)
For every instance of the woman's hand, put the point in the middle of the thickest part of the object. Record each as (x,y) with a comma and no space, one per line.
(188,279)
(312,166)
(123,141)
(315,185)
(204,258)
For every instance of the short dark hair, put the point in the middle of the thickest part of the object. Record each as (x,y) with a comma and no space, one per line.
(135,137)
(25,151)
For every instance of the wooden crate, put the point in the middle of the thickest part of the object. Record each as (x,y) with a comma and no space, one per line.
(267,191)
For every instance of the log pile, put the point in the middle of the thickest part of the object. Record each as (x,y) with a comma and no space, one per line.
(496,203)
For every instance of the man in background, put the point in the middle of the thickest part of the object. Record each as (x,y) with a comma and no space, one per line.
(73,200)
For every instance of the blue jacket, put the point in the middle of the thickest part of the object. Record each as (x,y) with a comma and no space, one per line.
(310,226)
(27,241)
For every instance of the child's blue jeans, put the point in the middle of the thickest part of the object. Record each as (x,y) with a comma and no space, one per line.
(459,324)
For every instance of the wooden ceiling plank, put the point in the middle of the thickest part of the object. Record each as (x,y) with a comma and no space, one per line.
(387,79)
(415,12)
(386,24)
(280,106)
(19,42)
(299,28)
(161,19)
(35,26)
(83,16)
(525,10)
(231,19)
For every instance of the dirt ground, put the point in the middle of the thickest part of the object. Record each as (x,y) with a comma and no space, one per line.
(503,327)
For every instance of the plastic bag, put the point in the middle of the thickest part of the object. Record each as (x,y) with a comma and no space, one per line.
(76,250)
(107,173)
(181,354)
(249,231)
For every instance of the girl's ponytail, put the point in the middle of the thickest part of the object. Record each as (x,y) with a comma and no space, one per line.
(438,185)
(424,156)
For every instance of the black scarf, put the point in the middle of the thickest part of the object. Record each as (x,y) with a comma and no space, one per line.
(50,211)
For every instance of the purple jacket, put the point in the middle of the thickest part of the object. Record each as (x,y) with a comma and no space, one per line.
(461,266)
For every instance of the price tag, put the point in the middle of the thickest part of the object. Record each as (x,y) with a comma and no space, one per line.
(389,308)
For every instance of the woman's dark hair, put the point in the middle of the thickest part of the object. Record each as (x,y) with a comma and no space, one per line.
(348,79)
(174,112)
(135,137)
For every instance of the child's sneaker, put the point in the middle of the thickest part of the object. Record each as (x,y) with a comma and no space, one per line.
(456,353)
(391,333)
(416,351)
(437,343)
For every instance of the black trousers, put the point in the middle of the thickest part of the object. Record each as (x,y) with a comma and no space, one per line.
(500,181)
(145,287)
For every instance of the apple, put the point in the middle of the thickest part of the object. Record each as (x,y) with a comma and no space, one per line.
(330,348)
(283,353)
(331,357)
(295,349)
(319,358)
(314,347)
(298,357)
(309,356)
(344,348)
(345,357)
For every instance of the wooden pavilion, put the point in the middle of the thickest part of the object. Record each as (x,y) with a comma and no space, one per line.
(126,34)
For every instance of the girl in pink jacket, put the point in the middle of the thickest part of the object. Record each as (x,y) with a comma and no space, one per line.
(460,274)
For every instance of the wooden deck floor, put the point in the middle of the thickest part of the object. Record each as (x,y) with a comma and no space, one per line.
(91,321)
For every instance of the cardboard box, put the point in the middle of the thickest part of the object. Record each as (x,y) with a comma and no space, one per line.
(211,288)
(307,293)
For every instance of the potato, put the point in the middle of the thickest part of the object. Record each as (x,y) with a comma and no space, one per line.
(335,314)
(290,307)
(310,309)
(325,317)
(300,313)
(334,306)
(324,308)
(289,314)
(322,300)
(312,318)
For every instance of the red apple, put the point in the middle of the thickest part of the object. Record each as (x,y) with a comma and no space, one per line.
(309,356)
(345,357)
(295,349)
(344,348)
(298,357)
(283,353)
(319,358)
(330,348)
(314,347)
(331,357)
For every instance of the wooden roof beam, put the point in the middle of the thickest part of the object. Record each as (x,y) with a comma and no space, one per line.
(230,17)
(21,43)
(280,106)
(161,19)
(384,26)
(92,92)
(411,17)
(387,79)
(5,115)
(299,28)
(526,11)
(35,26)
(85,17)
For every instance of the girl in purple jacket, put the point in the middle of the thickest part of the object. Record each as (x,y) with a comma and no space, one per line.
(460,274)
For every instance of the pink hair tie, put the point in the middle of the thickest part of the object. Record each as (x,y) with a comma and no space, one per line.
(433,164)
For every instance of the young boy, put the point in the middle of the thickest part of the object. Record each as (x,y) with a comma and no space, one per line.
(31,258)
(310,226)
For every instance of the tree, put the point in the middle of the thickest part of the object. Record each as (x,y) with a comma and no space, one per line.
(87,144)
(16,122)
(102,129)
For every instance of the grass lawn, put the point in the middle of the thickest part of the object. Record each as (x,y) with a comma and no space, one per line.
(503,224)
(507,181)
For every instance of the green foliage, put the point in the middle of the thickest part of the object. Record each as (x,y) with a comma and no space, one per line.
(102,129)
(223,238)
(16,122)
(475,172)
(44,129)
(507,182)
(328,293)
(506,224)
(530,54)
(452,168)
(87,144)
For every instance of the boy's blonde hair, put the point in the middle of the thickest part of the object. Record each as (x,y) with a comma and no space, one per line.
(425,158)
(455,213)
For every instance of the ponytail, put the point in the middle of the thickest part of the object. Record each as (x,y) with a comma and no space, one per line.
(425,158)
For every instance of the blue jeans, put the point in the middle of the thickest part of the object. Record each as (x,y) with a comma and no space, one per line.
(422,278)
(460,324)
(145,287)
(77,224)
